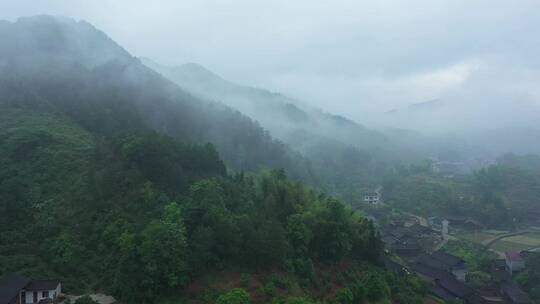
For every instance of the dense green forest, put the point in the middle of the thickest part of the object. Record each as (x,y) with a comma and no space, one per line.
(530,278)
(500,195)
(114,179)
(141,216)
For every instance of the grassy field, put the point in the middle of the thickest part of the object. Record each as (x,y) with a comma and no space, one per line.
(517,243)
(479,237)
(511,243)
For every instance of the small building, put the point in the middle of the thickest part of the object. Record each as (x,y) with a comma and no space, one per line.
(407,250)
(513,294)
(498,271)
(514,262)
(464,223)
(445,262)
(454,264)
(430,274)
(371,198)
(395,267)
(456,289)
(490,294)
(17,289)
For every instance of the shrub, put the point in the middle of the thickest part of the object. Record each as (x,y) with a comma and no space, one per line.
(344,296)
(359,292)
(377,288)
(234,296)
(298,301)
(86,299)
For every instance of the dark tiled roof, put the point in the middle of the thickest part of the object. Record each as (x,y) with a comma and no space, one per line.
(39,285)
(406,247)
(433,273)
(394,267)
(515,294)
(441,293)
(475,299)
(430,261)
(419,229)
(456,288)
(10,285)
(449,260)
(514,256)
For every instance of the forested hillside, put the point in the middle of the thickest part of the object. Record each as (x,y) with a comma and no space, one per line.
(348,158)
(60,65)
(111,180)
(499,196)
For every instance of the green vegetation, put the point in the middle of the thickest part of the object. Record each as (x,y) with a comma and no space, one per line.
(344,296)
(235,296)
(494,196)
(530,278)
(476,257)
(140,215)
(86,299)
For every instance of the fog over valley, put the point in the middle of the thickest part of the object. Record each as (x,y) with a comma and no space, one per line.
(248,152)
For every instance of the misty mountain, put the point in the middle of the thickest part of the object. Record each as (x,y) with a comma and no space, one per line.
(347,157)
(472,128)
(288,119)
(58,65)
(112,180)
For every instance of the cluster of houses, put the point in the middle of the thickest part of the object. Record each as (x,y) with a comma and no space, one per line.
(17,289)
(417,248)
(410,241)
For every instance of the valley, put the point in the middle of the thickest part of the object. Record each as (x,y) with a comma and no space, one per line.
(123,180)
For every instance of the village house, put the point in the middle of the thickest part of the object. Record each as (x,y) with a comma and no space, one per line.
(371,198)
(409,242)
(498,271)
(442,262)
(16,289)
(452,289)
(513,294)
(514,262)
(463,223)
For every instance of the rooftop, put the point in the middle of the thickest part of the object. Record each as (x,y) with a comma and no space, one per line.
(456,288)
(513,256)
(433,273)
(10,285)
(512,291)
(448,259)
(38,285)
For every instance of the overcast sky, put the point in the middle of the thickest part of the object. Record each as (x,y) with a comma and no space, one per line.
(347,57)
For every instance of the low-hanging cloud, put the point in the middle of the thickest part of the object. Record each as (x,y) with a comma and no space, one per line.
(349,57)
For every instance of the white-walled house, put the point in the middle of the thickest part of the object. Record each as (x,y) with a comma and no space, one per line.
(16,289)
(38,290)
(514,262)
(371,198)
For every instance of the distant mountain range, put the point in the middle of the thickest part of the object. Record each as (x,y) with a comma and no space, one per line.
(59,65)
(290,120)
(69,68)
(469,128)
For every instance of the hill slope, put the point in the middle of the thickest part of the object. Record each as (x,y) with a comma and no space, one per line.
(59,65)
(97,190)
(280,114)
(347,157)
